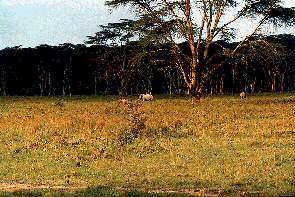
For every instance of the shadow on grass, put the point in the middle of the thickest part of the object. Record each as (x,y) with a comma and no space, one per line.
(97,191)
(104,191)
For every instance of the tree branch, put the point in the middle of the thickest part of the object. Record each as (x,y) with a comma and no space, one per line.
(247,37)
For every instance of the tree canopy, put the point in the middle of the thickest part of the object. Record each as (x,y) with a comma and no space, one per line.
(198,23)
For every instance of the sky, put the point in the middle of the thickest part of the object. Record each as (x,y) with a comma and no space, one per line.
(33,22)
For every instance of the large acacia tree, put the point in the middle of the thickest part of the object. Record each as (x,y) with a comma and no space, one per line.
(199,23)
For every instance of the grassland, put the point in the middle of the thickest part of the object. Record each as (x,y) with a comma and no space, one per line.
(98,146)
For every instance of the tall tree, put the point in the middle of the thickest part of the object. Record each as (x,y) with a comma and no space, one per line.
(124,55)
(260,56)
(198,23)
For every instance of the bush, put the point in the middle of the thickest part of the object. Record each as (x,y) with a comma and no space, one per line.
(136,120)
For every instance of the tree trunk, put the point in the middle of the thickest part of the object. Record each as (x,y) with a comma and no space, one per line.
(216,87)
(170,83)
(41,88)
(178,84)
(70,90)
(123,87)
(273,84)
(3,82)
(49,84)
(233,81)
(150,88)
(64,83)
(221,85)
(253,86)
(194,90)
(41,84)
(211,87)
(196,96)
(107,82)
(282,82)
(95,84)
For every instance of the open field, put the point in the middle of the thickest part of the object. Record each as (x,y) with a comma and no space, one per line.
(96,145)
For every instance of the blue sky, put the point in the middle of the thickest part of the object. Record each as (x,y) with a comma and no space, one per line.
(34,22)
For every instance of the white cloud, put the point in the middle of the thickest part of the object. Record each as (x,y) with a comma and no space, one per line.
(28,2)
(289,3)
(72,3)
(78,3)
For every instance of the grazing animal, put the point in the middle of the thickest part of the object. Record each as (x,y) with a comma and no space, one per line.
(146,97)
(243,95)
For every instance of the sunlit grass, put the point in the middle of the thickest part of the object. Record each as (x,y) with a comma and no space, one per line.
(222,144)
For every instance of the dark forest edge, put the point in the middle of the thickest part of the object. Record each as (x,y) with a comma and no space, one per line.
(264,64)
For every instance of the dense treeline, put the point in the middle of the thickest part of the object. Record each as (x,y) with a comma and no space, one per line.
(263,64)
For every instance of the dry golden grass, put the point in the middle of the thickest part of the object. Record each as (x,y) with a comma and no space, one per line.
(220,145)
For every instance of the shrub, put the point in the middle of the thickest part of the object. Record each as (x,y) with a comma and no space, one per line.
(136,119)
